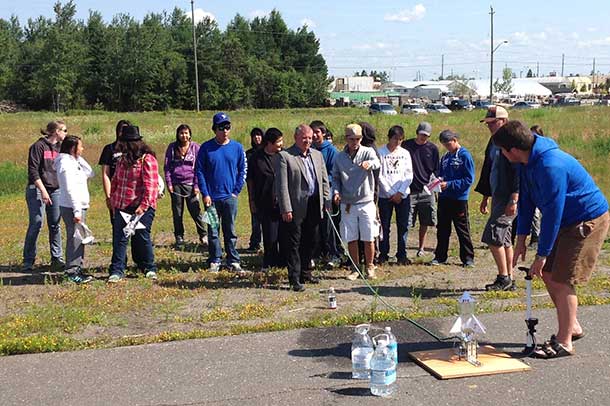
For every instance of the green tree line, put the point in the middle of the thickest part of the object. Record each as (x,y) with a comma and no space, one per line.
(128,65)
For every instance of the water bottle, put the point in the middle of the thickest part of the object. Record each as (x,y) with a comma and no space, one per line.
(332,299)
(383,368)
(392,344)
(362,351)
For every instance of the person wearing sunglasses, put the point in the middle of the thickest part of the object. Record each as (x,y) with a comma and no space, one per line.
(221,174)
(42,195)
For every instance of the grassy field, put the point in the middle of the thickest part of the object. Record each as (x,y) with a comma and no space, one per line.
(41,313)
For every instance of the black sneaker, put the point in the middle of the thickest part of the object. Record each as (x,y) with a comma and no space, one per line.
(501,283)
(179,243)
(57,265)
(513,286)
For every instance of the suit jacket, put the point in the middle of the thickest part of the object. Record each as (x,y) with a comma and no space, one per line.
(291,186)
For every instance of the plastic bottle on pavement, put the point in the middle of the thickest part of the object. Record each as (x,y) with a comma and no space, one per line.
(392,344)
(362,351)
(383,368)
(332,299)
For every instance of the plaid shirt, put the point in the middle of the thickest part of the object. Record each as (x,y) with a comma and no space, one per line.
(135,185)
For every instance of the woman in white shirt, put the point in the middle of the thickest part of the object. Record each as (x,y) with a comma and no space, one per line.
(72,173)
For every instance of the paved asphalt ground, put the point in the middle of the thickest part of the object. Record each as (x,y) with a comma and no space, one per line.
(307,367)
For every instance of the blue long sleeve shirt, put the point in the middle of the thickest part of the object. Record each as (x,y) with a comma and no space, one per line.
(221,169)
(561,188)
(457,170)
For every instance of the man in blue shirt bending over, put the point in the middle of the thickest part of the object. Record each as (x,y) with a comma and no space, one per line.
(221,173)
(574,224)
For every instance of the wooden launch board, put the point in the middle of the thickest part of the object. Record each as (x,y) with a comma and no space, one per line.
(444,363)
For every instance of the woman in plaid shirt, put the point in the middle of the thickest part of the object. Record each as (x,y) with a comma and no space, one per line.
(134,190)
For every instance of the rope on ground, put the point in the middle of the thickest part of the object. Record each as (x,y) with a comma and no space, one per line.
(375,294)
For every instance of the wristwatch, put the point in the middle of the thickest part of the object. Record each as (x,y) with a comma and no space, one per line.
(513,202)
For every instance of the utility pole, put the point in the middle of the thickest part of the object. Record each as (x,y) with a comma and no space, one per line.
(563,58)
(491,56)
(195,53)
(537,68)
(593,74)
(442,66)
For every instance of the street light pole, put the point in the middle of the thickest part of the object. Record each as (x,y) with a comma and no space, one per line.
(195,54)
(491,73)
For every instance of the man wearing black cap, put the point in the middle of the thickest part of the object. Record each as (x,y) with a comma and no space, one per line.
(221,173)
(457,173)
(500,180)
(425,159)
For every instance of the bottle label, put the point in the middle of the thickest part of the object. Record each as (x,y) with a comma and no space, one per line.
(393,347)
(332,302)
(383,377)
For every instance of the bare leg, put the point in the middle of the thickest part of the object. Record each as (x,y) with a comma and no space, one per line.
(566,304)
(422,236)
(369,253)
(499,254)
(508,252)
(352,247)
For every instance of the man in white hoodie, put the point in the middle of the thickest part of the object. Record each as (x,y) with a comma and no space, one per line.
(72,174)
(354,188)
(394,179)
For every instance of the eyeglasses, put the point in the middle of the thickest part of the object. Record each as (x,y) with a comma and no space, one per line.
(224,127)
(64,130)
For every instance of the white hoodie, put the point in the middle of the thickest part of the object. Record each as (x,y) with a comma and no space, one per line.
(72,175)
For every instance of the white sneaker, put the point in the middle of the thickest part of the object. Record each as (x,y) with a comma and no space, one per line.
(214,267)
(151,275)
(236,267)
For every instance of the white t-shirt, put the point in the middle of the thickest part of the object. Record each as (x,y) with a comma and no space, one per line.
(396,172)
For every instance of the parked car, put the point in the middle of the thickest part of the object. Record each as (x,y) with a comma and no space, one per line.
(568,101)
(460,104)
(413,108)
(382,108)
(481,104)
(437,108)
(525,105)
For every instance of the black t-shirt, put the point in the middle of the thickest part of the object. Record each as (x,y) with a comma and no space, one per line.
(425,159)
(262,175)
(110,157)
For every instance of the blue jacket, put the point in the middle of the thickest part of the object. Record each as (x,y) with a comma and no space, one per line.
(329,152)
(458,171)
(221,169)
(561,188)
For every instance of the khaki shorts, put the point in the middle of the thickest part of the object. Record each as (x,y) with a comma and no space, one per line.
(576,250)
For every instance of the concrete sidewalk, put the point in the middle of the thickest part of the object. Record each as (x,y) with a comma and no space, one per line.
(308,367)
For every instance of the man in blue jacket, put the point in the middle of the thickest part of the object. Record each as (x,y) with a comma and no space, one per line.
(221,173)
(457,174)
(328,245)
(574,224)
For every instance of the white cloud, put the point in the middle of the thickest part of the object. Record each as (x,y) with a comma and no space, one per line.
(595,42)
(592,29)
(309,23)
(375,45)
(201,14)
(406,16)
(259,13)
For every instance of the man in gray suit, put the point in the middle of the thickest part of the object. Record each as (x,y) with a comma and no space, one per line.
(302,191)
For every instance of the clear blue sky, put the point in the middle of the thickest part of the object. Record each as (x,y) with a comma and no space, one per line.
(408,37)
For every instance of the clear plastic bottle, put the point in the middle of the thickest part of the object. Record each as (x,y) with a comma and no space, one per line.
(383,369)
(362,352)
(392,344)
(332,299)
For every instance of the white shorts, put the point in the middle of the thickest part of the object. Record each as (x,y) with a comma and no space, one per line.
(360,223)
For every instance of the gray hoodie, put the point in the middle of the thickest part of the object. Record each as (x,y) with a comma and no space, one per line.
(354,184)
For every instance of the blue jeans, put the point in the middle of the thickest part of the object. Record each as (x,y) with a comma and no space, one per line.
(36,211)
(141,245)
(74,253)
(227,211)
(386,206)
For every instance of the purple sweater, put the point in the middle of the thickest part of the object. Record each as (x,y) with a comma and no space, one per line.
(181,170)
